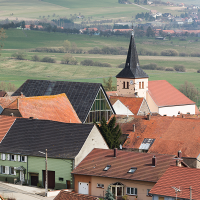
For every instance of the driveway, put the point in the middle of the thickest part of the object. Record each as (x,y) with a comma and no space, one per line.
(20,192)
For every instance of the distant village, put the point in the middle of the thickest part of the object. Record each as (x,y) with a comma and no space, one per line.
(138,142)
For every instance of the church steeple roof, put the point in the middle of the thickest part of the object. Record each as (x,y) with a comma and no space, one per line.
(132,68)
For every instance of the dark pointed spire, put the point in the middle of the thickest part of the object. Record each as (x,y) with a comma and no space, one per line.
(132,67)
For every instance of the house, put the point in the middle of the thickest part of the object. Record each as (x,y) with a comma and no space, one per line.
(127,173)
(161,97)
(129,105)
(3,93)
(177,183)
(52,107)
(67,195)
(24,142)
(164,135)
(5,101)
(89,100)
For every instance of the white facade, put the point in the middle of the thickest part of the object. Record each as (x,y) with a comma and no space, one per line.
(94,140)
(175,110)
(121,109)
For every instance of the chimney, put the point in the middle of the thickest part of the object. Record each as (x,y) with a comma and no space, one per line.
(148,116)
(153,161)
(21,94)
(11,114)
(133,127)
(179,154)
(115,152)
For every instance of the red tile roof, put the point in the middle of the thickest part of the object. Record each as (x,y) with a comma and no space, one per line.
(67,195)
(2,93)
(181,178)
(171,134)
(133,103)
(98,159)
(5,124)
(53,107)
(5,101)
(164,94)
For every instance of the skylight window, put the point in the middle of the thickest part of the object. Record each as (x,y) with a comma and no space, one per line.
(146,144)
(132,170)
(107,168)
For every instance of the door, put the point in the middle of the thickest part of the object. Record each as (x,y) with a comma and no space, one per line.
(51,178)
(21,176)
(83,188)
(34,180)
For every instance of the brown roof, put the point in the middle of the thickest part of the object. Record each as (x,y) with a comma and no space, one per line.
(53,107)
(5,124)
(5,101)
(133,103)
(182,178)
(164,94)
(67,195)
(98,159)
(2,93)
(171,134)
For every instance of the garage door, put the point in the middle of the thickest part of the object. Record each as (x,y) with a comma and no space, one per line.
(83,188)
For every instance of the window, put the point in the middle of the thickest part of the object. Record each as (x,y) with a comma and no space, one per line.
(142,85)
(3,169)
(107,168)
(12,171)
(13,157)
(148,190)
(3,156)
(23,158)
(100,185)
(131,191)
(125,85)
(139,85)
(132,170)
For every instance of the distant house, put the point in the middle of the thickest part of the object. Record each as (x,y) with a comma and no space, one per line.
(177,183)
(164,135)
(3,93)
(52,107)
(129,105)
(23,143)
(127,173)
(89,100)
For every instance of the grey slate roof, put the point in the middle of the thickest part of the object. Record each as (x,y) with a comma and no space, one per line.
(132,68)
(62,140)
(80,94)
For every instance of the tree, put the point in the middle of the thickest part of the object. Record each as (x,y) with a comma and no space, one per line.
(190,91)
(23,24)
(110,132)
(108,84)
(109,195)
(150,32)
(2,36)
(67,45)
(69,60)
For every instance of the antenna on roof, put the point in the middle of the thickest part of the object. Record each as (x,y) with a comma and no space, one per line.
(176,190)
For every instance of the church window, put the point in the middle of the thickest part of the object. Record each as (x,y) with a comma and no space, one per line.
(142,85)
(125,85)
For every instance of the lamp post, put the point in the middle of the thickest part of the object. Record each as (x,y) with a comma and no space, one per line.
(46,182)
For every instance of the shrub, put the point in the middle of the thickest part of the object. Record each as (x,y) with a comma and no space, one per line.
(151,66)
(121,65)
(169,52)
(35,58)
(69,60)
(108,50)
(19,55)
(179,68)
(195,54)
(198,71)
(169,69)
(160,68)
(49,50)
(183,54)
(48,59)
(88,62)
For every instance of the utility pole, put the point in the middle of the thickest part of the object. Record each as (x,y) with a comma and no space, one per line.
(190,192)
(46,183)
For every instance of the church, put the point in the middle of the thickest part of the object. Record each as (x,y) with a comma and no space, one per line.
(160,95)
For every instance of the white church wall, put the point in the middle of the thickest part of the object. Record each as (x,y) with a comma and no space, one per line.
(175,110)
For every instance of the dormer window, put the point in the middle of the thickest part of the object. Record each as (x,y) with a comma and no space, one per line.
(132,170)
(107,168)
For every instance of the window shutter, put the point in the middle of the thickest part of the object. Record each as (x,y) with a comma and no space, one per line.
(19,158)
(0,169)
(6,169)
(15,157)
(14,171)
(8,157)
(4,156)
(9,170)
(25,158)
(136,191)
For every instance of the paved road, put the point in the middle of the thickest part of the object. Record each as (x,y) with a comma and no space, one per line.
(21,192)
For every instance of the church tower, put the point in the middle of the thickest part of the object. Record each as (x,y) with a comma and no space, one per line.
(132,80)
